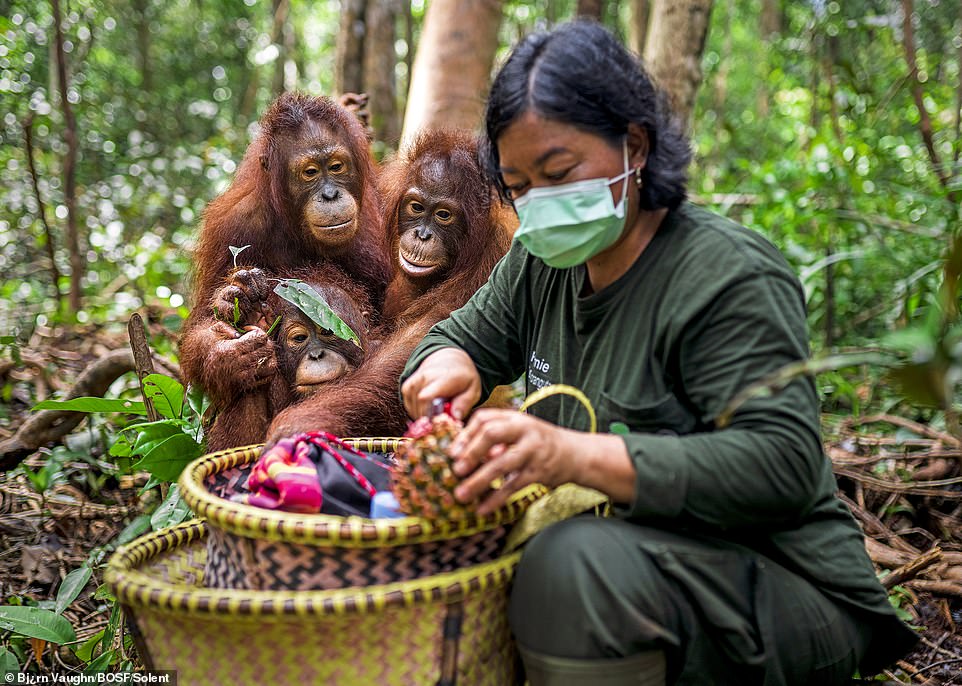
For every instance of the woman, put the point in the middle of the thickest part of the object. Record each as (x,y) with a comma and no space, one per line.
(729,560)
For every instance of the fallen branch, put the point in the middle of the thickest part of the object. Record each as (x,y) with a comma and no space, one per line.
(48,426)
(929,488)
(946,588)
(914,427)
(913,568)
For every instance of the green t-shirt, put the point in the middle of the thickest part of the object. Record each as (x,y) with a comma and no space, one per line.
(708,308)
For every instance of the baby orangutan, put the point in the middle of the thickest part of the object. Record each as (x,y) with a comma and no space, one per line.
(302,358)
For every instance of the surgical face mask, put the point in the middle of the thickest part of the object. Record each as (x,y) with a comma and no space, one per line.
(568,224)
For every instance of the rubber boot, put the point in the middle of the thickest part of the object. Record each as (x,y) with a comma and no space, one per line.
(643,669)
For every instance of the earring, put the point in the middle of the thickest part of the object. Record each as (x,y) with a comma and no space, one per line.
(638,180)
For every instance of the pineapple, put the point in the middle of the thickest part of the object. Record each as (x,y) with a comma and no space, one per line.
(422,479)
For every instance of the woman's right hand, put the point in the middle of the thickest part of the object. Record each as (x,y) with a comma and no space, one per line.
(448,373)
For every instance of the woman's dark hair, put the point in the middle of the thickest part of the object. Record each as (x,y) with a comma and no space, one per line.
(580,74)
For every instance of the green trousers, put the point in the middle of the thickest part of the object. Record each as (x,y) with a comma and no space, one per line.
(606,589)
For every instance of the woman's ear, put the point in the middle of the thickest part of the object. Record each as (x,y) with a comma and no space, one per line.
(637,146)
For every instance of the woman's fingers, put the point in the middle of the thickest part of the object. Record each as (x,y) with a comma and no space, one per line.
(513,483)
(509,461)
(448,373)
(487,429)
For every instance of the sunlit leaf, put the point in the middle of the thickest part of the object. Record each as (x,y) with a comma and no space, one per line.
(94,405)
(166,458)
(166,393)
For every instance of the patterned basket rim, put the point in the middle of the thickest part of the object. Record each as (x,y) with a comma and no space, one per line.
(137,588)
(329,530)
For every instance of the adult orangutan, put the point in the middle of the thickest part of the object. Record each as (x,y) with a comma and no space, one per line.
(305,355)
(448,229)
(304,198)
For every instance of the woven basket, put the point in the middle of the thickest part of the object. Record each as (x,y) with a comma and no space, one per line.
(257,549)
(440,630)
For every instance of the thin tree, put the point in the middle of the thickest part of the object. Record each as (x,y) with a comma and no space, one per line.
(349,52)
(592,9)
(42,208)
(638,26)
(673,51)
(452,66)
(69,165)
(918,96)
(380,60)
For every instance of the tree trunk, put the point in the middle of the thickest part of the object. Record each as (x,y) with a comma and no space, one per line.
(925,121)
(349,57)
(285,49)
(409,53)
(771,26)
(452,68)
(142,11)
(676,41)
(771,19)
(42,208)
(279,37)
(593,9)
(69,167)
(726,59)
(638,26)
(380,60)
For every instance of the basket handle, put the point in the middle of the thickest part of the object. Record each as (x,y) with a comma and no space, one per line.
(563,389)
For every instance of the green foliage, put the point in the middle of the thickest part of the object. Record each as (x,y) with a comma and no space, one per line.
(312,303)
(8,663)
(167,445)
(35,622)
(72,586)
(87,404)
(824,155)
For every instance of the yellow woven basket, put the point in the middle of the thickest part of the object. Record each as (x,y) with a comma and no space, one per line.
(258,549)
(440,630)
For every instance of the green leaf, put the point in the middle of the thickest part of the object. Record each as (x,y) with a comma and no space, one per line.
(8,663)
(72,586)
(236,312)
(93,405)
(197,400)
(311,303)
(103,591)
(166,393)
(171,512)
(167,457)
(35,622)
(100,664)
(120,447)
(85,652)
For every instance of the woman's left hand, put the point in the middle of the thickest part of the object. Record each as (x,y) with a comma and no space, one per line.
(515,447)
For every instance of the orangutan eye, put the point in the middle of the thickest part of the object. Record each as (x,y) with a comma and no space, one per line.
(298,337)
(443,215)
(336,167)
(310,172)
(416,207)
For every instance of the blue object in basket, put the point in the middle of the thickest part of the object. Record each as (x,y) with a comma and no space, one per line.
(384,504)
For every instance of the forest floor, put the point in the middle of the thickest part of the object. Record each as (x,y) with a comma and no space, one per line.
(902,480)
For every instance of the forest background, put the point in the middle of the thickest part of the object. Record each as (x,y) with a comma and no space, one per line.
(831,127)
